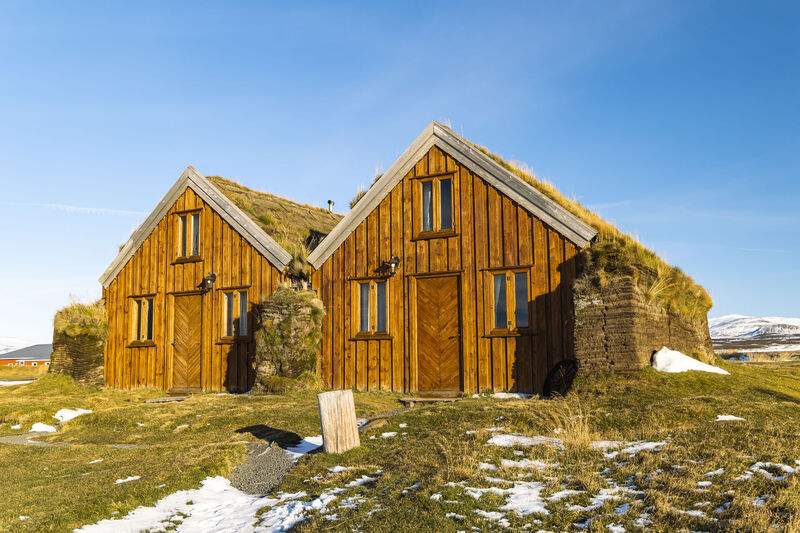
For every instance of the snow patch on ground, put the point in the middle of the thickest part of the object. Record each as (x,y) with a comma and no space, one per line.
(534,464)
(388,434)
(606,444)
(508,441)
(728,418)
(500,518)
(308,444)
(666,360)
(338,469)
(215,506)
(127,479)
(65,415)
(510,395)
(38,427)
(16,426)
(763,469)
(635,447)
(17,382)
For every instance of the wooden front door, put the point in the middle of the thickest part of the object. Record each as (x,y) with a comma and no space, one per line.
(186,341)
(438,335)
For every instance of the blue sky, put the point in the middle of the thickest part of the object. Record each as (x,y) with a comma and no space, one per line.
(679,121)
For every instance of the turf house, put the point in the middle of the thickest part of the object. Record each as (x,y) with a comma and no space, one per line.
(181,292)
(450,275)
(456,272)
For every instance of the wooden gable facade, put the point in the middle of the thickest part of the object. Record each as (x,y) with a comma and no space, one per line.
(165,330)
(479,299)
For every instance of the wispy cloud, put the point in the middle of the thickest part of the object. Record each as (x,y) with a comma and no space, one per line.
(608,205)
(83,210)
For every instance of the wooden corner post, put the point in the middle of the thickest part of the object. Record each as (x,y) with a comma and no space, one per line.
(337,416)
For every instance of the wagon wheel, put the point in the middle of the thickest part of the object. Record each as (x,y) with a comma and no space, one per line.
(560,378)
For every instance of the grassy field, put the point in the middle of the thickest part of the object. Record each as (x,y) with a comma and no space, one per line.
(680,487)
(436,470)
(13,373)
(58,489)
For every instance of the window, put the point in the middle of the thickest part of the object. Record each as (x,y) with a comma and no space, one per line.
(373,306)
(142,319)
(188,235)
(364,307)
(234,313)
(436,196)
(510,301)
(34,363)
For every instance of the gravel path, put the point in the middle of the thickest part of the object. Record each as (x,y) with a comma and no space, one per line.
(263,469)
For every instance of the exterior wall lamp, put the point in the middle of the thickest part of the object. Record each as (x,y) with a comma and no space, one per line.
(391,265)
(208,282)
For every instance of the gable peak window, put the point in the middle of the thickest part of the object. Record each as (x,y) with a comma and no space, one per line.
(436,205)
(188,234)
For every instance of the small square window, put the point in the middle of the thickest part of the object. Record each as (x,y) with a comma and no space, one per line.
(435,197)
(510,301)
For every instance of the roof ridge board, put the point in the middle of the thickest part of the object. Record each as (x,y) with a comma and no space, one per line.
(390,178)
(277,252)
(513,186)
(128,249)
(581,229)
(238,219)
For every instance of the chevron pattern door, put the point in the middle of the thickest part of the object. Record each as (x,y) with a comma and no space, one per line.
(187,335)
(438,335)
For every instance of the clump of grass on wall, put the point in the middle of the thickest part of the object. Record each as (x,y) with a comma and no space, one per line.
(287,338)
(83,319)
(614,253)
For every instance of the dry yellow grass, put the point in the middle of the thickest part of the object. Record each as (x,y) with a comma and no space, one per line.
(293,225)
(614,253)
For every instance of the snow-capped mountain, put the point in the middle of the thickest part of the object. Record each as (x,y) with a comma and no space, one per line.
(755,334)
(8,344)
(750,327)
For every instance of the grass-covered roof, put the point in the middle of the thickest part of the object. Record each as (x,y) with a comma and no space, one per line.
(614,253)
(291,224)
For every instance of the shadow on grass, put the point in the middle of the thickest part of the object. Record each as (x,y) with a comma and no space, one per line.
(778,395)
(279,436)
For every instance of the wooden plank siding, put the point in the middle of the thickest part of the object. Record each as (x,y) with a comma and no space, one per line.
(491,231)
(152,272)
